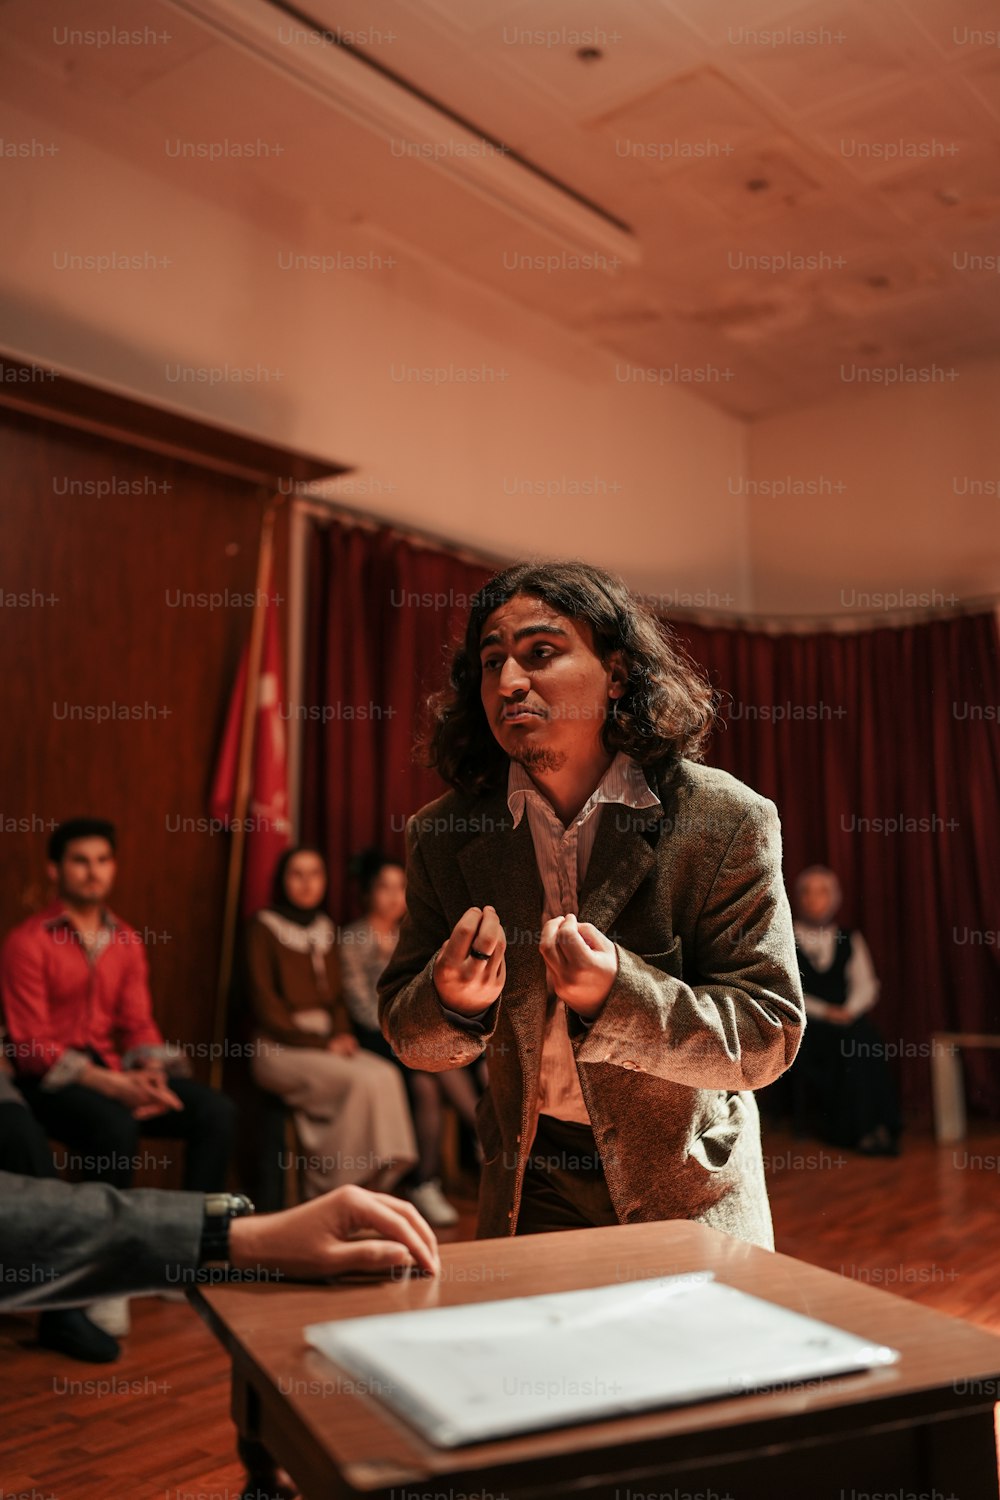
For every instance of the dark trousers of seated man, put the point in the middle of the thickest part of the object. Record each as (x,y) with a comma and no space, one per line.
(24,1146)
(103,1139)
(564,1185)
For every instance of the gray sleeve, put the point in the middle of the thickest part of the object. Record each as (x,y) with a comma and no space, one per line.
(421,1032)
(741,1027)
(358,978)
(63,1244)
(170,1057)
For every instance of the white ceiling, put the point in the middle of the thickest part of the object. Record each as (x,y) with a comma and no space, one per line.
(860,140)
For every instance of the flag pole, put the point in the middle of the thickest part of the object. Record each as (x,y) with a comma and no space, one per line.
(241,796)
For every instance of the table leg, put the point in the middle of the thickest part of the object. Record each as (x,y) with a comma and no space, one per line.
(949,1091)
(263,1481)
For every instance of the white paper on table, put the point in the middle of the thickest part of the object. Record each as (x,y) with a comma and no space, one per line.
(490,1369)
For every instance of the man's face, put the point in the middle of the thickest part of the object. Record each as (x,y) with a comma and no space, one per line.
(86,872)
(544,689)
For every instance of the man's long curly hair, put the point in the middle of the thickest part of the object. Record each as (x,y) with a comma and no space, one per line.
(666,711)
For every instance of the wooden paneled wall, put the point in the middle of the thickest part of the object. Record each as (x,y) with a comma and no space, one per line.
(126,580)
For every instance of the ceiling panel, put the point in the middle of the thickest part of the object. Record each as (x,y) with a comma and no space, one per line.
(717,21)
(806,182)
(982,76)
(553,46)
(877,139)
(956,27)
(940,194)
(700,116)
(824,53)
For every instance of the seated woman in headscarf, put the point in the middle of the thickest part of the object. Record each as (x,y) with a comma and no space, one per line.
(843,1083)
(366,946)
(351,1111)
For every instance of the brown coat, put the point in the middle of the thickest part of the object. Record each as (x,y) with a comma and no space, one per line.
(706,1006)
(283,981)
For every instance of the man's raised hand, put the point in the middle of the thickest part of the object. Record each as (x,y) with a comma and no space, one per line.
(583,963)
(464,983)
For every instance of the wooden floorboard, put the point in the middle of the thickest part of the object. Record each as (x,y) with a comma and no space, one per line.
(925,1226)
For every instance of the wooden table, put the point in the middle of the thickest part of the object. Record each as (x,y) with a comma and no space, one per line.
(924,1425)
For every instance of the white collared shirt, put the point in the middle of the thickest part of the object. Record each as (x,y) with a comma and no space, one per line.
(562,855)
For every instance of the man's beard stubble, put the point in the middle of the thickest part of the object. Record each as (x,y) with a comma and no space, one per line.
(539,758)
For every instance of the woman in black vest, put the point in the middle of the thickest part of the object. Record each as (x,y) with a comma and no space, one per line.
(844,1089)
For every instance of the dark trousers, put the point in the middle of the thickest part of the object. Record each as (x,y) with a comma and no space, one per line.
(24,1146)
(372,1040)
(564,1186)
(104,1138)
(843,1089)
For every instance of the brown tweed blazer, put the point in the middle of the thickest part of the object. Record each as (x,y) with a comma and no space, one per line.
(706,1007)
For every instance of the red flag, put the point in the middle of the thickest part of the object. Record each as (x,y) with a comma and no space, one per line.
(266,825)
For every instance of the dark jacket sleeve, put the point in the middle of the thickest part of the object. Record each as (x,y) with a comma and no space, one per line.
(64,1243)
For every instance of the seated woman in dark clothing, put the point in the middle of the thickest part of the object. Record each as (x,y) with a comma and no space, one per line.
(842,1079)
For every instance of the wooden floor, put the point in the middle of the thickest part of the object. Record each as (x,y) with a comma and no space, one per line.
(155,1426)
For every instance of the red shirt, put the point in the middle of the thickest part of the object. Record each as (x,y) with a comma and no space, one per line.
(59,998)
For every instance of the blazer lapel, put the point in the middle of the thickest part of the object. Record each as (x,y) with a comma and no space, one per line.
(500,870)
(500,860)
(622,856)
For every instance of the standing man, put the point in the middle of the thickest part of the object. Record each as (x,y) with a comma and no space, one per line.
(89,1057)
(601,915)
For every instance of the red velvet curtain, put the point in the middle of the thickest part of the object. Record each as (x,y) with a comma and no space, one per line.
(382,613)
(880,749)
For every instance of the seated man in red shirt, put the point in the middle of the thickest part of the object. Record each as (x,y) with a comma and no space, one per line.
(88,1055)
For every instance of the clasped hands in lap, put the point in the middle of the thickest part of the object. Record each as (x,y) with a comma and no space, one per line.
(144,1091)
(470,969)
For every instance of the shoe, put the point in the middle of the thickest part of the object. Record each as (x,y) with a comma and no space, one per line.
(70,1331)
(428,1199)
(111,1314)
(878,1142)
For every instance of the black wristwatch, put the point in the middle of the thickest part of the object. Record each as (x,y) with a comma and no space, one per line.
(220,1211)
